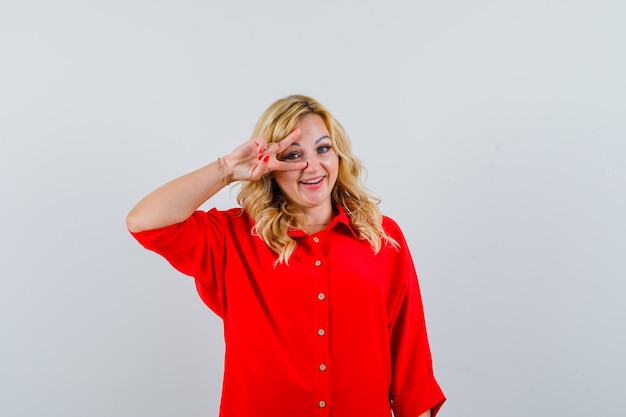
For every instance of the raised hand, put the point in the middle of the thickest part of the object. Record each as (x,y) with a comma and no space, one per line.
(256,158)
(175,201)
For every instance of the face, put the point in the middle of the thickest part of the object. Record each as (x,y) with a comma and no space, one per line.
(310,188)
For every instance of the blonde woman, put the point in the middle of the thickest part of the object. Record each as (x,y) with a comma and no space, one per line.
(317,290)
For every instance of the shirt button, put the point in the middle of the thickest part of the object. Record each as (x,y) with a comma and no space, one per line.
(316,239)
(318,263)
(321,332)
(322,404)
(322,367)
(321,296)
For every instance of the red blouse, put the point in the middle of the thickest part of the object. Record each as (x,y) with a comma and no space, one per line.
(338,332)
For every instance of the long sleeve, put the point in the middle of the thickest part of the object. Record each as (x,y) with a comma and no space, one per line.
(414,388)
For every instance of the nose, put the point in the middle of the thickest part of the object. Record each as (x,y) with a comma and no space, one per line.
(312,163)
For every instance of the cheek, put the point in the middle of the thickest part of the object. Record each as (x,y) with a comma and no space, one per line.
(284,178)
(331,164)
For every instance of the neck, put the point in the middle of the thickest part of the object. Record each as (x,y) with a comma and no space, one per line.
(320,217)
(317,224)
(315,228)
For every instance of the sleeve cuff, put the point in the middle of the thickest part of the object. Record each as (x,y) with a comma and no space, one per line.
(415,401)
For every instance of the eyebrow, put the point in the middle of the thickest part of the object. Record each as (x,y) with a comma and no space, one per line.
(316,141)
(323,137)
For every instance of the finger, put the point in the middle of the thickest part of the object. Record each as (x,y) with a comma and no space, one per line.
(288,140)
(261,147)
(271,149)
(289,166)
(275,148)
(261,144)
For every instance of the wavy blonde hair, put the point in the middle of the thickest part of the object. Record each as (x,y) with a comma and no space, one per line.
(274,215)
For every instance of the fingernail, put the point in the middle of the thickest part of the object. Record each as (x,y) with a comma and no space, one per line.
(267,158)
(260,156)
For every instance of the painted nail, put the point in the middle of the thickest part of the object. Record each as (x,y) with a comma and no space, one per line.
(260,156)
(267,158)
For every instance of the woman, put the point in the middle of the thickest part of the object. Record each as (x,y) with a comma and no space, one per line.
(317,290)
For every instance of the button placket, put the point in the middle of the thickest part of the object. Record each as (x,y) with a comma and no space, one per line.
(321,326)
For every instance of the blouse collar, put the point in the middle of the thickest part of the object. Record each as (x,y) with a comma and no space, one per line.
(340,218)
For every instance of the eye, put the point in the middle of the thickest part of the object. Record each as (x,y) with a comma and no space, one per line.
(290,156)
(324,148)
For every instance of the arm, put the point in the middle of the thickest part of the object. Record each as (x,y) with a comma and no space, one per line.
(175,201)
(414,387)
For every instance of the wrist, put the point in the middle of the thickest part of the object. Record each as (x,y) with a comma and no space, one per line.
(225,171)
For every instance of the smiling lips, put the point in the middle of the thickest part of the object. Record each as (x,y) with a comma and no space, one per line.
(313,183)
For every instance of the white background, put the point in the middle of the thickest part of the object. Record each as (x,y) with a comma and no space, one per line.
(494,131)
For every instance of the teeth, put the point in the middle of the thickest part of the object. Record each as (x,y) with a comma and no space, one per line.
(312,182)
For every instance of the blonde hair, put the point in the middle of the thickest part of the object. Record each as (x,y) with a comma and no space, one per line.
(273,214)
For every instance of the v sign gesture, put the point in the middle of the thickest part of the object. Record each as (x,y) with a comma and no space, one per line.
(255,158)
(175,201)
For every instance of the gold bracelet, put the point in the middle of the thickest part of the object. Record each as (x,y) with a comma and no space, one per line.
(220,166)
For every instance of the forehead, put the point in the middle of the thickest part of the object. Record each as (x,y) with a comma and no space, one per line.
(313,128)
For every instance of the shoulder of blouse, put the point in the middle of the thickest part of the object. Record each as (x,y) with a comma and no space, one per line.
(197,218)
(391,227)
